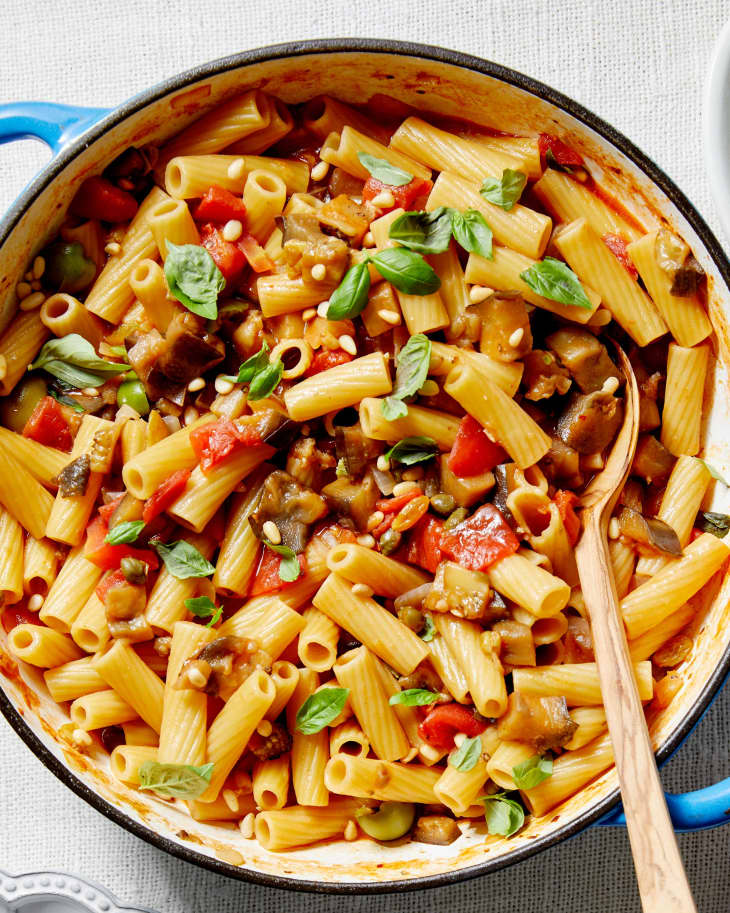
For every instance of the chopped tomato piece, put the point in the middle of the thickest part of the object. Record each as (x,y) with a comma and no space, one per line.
(393,505)
(214,442)
(404,197)
(115,579)
(219,205)
(562,153)
(106,510)
(695,534)
(14,616)
(619,248)
(443,721)
(163,496)
(258,259)
(228,257)
(98,198)
(480,540)
(473,453)
(47,425)
(326,359)
(565,501)
(108,556)
(267,579)
(424,548)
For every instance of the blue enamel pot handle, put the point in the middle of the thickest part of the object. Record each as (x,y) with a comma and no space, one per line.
(57,126)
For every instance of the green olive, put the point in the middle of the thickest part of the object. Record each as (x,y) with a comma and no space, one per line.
(389,541)
(132,393)
(67,267)
(443,504)
(17,408)
(455,518)
(134,570)
(411,617)
(391,821)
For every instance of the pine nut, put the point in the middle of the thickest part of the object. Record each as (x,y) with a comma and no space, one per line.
(368,240)
(319,172)
(264,729)
(404,488)
(610,385)
(39,267)
(32,301)
(322,309)
(236,169)
(197,679)
(479,293)
(113,248)
(350,831)
(196,384)
(384,200)
(271,531)
(391,317)
(247,826)
(348,344)
(413,475)
(309,314)
(23,289)
(223,385)
(232,230)
(383,463)
(319,272)
(362,589)
(614,530)
(190,415)
(375,519)
(459,738)
(516,337)
(366,541)
(35,602)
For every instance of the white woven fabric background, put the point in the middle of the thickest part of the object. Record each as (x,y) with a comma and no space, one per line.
(638,64)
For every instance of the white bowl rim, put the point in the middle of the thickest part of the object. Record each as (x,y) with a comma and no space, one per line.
(716,126)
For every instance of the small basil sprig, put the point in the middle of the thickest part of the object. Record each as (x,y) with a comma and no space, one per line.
(412,450)
(430,232)
(320,709)
(183,560)
(504,191)
(383,171)
(193,278)
(504,816)
(715,473)
(414,697)
(465,757)
(125,533)
(73,360)
(204,607)
(532,772)
(555,280)
(289,568)
(710,522)
(411,372)
(473,233)
(351,295)
(261,375)
(181,781)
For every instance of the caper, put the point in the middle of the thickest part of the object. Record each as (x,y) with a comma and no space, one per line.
(411,617)
(67,267)
(455,518)
(389,541)
(134,570)
(17,408)
(391,821)
(443,504)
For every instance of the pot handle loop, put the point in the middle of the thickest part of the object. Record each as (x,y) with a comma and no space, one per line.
(55,125)
(693,811)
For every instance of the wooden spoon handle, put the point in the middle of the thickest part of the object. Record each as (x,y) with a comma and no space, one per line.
(663,884)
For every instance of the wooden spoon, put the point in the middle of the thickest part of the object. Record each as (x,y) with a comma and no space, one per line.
(663,884)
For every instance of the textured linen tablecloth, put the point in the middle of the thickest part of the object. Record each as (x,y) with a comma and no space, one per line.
(641,66)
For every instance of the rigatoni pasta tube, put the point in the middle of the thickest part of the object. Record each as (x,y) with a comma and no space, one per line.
(101,709)
(38,645)
(11,558)
(264,195)
(338,387)
(324,115)
(685,316)
(571,771)
(576,682)
(40,564)
(449,669)
(623,560)
(348,738)
(507,756)
(63,314)
(271,783)
(138,733)
(454,292)
(309,753)
(341,149)
(73,679)
(268,620)
(297,825)
(133,680)
(503,418)
(43,463)
(506,375)
(458,789)
(371,624)
(356,670)
(594,263)
(90,628)
(19,345)
(189,176)
(184,710)
(440,426)
(591,723)
(646,644)
(369,778)
(126,760)
(240,548)
(22,495)
(673,585)
(279,294)
(148,283)
(526,149)
(682,412)
(69,591)
(529,585)
(384,575)
(519,228)
(285,676)
(170,222)
(280,123)
(317,644)
(166,602)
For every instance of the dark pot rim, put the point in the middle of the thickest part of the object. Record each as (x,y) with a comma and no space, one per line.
(431,53)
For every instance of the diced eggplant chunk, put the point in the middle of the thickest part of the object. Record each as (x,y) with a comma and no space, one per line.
(590,422)
(517,646)
(578,641)
(456,589)
(356,501)
(652,461)
(355,449)
(561,465)
(506,333)
(652,536)
(543,722)
(649,418)
(129,508)
(221,666)
(274,745)
(307,464)
(438,830)
(346,218)
(291,506)
(74,477)
(467,491)
(584,356)
(544,376)
(632,495)
(189,351)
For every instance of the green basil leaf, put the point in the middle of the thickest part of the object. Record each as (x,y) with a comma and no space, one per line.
(411,372)
(204,607)
(710,522)
(320,709)
(414,697)
(253,365)
(181,781)
(552,162)
(503,816)
(183,560)
(555,280)
(193,278)
(266,381)
(714,473)
(407,270)
(412,450)
(506,191)
(124,533)
(472,233)
(429,629)
(73,360)
(532,772)
(65,400)
(425,232)
(467,754)
(383,171)
(289,568)
(120,352)
(351,295)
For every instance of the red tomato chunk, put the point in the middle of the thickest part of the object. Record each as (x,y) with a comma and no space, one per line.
(562,153)
(165,495)
(473,453)
(619,248)
(109,557)
(98,198)
(47,425)
(326,359)
(12,617)
(565,501)
(214,442)
(480,540)
(443,721)
(267,579)
(424,548)
(403,197)
(219,205)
